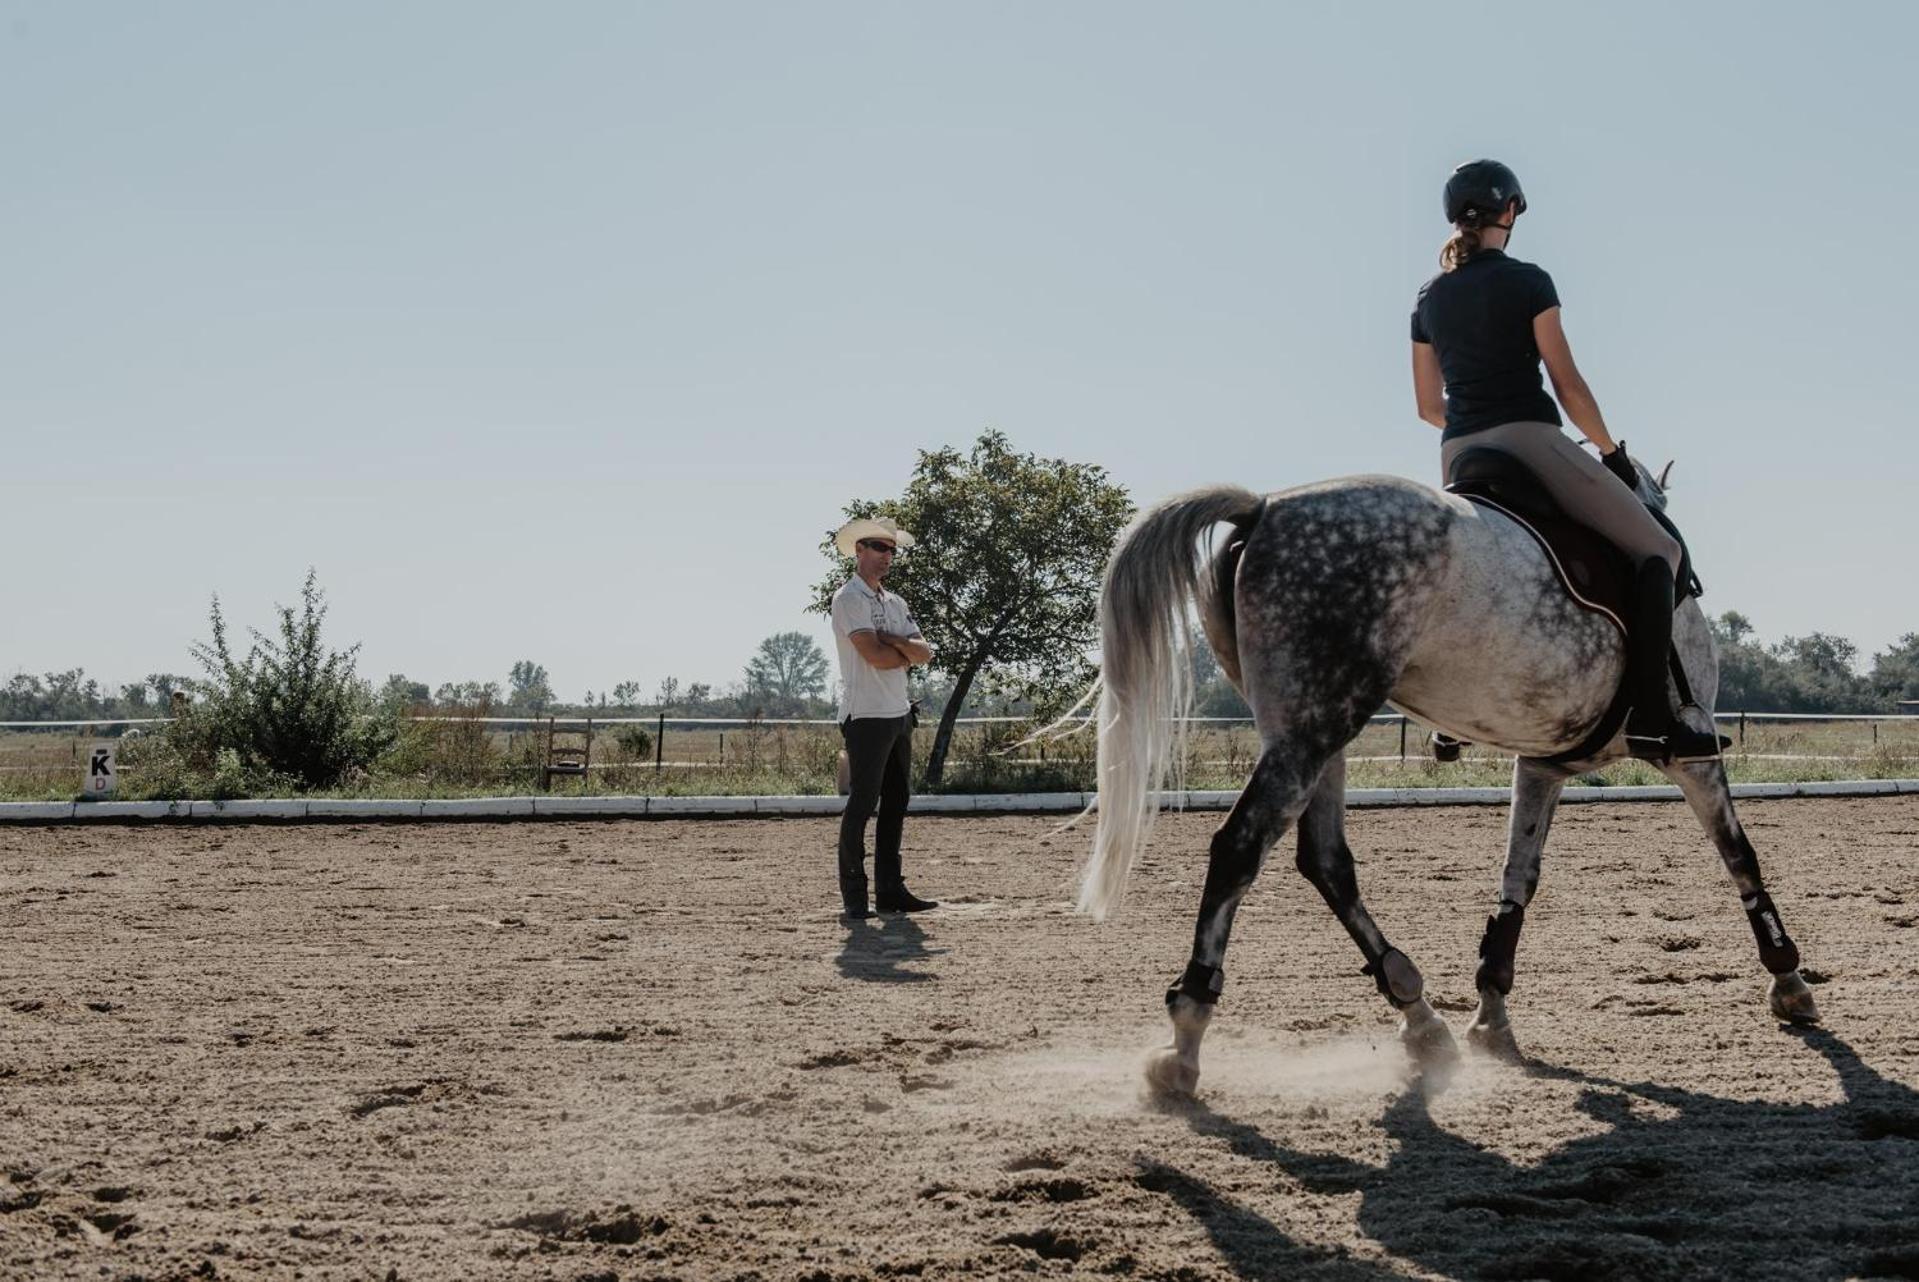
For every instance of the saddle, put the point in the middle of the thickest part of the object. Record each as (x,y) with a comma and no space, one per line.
(1596,573)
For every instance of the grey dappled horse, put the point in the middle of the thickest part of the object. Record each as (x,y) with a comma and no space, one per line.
(1327,602)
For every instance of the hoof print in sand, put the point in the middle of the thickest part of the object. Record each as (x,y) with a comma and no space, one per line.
(596,1035)
(393,1097)
(227,1135)
(622,1227)
(1045,1243)
(1058,1189)
(834,1059)
(1034,1162)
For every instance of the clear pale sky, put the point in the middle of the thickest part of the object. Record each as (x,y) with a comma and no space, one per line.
(564,331)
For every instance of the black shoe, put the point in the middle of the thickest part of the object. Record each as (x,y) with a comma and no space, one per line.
(861,913)
(903,900)
(1679,742)
(1445,747)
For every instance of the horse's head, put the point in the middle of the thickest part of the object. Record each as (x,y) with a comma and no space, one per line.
(1652,488)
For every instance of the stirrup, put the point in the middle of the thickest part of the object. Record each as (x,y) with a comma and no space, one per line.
(1445,747)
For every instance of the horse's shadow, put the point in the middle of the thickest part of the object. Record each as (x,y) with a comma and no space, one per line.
(876,947)
(1683,1184)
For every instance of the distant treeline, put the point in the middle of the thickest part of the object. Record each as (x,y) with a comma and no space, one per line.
(788,677)
(1814,673)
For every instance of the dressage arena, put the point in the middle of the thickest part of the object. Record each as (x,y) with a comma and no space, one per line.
(650,1049)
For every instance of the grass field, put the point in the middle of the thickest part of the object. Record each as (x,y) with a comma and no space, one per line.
(468,759)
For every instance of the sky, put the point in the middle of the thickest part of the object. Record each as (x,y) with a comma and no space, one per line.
(564,332)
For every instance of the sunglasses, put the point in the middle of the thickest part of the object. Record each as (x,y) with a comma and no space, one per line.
(872,546)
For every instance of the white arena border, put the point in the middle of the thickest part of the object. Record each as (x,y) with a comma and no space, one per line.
(501,808)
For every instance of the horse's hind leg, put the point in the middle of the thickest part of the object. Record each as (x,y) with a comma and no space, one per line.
(1704,783)
(1273,798)
(1536,790)
(1326,861)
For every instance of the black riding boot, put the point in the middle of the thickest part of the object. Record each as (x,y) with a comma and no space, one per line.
(1653,732)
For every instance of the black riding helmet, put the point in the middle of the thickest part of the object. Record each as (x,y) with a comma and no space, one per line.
(1483,186)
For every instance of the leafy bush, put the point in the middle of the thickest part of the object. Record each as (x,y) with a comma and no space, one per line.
(290,708)
(635,741)
(453,748)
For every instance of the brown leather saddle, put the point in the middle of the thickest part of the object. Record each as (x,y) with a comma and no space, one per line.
(1596,574)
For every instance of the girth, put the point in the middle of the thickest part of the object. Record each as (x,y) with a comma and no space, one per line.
(1595,572)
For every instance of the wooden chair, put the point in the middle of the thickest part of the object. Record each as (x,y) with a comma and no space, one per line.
(568,760)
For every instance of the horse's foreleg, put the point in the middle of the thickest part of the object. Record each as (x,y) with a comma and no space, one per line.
(1536,790)
(1704,783)
(1273,798)
(1326,861)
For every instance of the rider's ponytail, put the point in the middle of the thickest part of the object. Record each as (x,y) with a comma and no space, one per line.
(1464,243)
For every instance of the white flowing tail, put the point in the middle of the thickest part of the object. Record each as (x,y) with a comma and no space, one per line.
(1146,675)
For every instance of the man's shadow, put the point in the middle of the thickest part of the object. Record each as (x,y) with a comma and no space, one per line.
(1682,1184)
(876,947)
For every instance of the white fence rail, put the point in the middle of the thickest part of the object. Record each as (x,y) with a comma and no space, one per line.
(660,724)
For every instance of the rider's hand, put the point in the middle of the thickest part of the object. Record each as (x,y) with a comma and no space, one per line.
(1621,466)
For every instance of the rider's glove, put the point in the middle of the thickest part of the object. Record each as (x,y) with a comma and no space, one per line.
(1622,467)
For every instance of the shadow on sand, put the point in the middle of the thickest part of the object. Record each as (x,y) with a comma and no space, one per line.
(876,947)
(1682,1185)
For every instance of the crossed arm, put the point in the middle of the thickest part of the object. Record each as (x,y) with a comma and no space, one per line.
(884,650)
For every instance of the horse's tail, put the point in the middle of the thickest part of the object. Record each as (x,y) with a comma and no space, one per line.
(1146,673)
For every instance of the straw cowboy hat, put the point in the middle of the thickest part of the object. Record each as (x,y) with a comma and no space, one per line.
(870,527)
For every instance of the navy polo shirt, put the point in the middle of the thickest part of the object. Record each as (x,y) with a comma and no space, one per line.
(1479,319)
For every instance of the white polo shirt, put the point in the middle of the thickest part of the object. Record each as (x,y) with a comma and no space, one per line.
(867,691)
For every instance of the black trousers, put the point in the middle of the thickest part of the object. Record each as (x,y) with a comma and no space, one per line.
(879,758)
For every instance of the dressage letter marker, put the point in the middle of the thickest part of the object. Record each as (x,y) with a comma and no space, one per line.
(100,778)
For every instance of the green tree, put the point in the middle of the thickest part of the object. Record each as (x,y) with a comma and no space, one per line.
(165,683)
(1004,579)
(290,706)
(1751,678)
(1813,673)
(1213,694)
(1822,677)
(467,694)
(1895,672)
(787,669)
(400,693)
(527,687)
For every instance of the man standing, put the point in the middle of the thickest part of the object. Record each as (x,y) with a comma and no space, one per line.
(877,641)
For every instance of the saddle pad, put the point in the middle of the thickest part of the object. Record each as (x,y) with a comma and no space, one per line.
(1594,573)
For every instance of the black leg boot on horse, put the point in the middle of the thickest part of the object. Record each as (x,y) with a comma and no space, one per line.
(1654,732)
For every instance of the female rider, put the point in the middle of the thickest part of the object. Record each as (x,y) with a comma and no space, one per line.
(1480,330)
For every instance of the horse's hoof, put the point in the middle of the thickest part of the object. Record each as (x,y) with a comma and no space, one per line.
(1169,1077)
(1791,1000)
(1427,1039)
(1494,1041)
